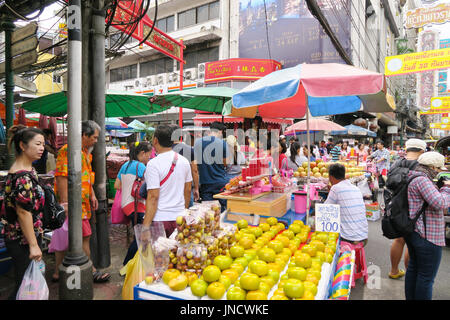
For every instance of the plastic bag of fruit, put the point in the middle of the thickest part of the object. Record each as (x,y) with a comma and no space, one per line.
(191,257)
(190,227)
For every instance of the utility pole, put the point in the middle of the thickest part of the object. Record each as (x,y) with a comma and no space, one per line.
(75,273)
(86,12)
(8,26)
(100,250)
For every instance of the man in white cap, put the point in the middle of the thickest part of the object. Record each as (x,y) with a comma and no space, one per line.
(414,148)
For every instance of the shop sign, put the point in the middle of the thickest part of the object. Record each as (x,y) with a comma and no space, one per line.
(417,62)
(440,126)
(436,111)
(440,103)
(239,69)
(422,16)
(328,217)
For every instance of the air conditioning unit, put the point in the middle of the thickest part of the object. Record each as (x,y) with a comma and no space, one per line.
(201,71)
(173,77)
(151,81)
(190,74)
(137,83)
(161,79)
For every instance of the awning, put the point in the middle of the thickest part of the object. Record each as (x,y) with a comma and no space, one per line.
(202,118)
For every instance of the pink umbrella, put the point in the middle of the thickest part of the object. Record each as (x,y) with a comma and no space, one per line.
(314,125)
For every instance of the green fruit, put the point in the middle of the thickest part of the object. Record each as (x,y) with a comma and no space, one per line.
(198,287)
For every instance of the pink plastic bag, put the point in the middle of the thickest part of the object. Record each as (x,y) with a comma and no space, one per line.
(117,216)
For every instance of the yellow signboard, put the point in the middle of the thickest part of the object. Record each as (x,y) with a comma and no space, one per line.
(440,102)
(436,111)
(440,126)
(417,62)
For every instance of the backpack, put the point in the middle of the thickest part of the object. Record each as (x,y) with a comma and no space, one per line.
(396,222)
(54,214)
(397,177)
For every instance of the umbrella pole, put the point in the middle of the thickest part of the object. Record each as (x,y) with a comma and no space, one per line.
(309,169)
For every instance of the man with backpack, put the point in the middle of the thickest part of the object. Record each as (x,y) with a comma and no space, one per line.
(414,148)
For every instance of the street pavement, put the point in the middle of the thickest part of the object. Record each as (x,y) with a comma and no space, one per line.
(379,286)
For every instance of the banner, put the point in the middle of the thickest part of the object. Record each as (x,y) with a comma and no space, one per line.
(436,111)
(417,62)
(440,126)
(290,33)
(440,103)
(249,69)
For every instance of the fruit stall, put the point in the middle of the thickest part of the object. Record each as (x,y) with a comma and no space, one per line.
(209,259)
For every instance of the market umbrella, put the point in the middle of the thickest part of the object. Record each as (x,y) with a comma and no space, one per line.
(43,121)
(117,104)
(22,119)
(352,130)
(315,124)
(210,99)
(316,89)
(115,124)
(138,126)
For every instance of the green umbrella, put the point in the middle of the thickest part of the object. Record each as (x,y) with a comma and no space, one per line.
(117,104)
(210,99)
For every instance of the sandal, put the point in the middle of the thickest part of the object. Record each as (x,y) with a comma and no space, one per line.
(400,274)
(100,277)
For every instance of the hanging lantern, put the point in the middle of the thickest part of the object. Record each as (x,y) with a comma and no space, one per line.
(360,122)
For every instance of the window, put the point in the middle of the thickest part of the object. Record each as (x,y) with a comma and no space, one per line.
(186,18)
(156,66)
(166,24)
(198,15)
(56,79)
(123,73)
(193,58)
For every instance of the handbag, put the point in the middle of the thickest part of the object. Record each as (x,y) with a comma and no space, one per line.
(117,215)
(131,201)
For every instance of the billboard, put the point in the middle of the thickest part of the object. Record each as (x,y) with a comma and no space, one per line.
(242,69)
(291,34)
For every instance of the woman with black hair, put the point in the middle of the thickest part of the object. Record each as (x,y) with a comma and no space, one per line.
(131,170)
(24,202)
(296,158)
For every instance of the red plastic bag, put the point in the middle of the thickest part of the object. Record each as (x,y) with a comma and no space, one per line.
(117,216)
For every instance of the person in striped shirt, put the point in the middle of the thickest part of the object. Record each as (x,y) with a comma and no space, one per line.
(336,152)
(354,226)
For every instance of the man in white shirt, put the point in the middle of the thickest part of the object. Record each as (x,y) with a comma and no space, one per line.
(354,226)
(168,177)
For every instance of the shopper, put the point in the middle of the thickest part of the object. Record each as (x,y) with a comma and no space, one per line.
(24,202)
(362,152)
(345,150)
(211,154)
(283,162)
(90,131)
(382,158)
(139,154)
(426,242)
(309,154)
(354,226)
(336,152)
(296,158)
(236,159)
(41,164)
(168,177)
(414,149)
(188,152)
(323,149)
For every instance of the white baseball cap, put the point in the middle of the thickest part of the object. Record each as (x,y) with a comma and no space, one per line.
(282,136)
(416,143)
(433,159)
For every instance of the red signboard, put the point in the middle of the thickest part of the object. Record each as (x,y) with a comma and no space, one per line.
(239,69)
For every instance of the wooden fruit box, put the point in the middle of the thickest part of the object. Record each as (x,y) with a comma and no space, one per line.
(271,205)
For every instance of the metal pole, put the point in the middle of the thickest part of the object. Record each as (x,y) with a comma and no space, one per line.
(309,170)
(87,54)
(100,251)
(180,120)
(76,280)
(9,86)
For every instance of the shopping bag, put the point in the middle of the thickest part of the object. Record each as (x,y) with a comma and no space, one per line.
(117,215)
(34,286)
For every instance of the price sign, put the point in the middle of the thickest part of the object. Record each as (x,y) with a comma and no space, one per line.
(328,218)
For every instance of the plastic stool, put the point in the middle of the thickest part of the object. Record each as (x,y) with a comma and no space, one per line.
(360,269)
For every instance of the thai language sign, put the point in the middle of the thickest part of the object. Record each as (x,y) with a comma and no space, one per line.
(417,62)
(328,217)
(422,16)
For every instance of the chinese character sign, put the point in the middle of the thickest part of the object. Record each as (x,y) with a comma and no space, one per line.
(328,217)
(290,34)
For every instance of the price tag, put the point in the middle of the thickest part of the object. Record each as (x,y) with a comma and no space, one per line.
(328,217)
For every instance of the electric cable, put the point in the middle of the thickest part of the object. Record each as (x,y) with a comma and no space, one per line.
(21,17)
